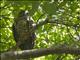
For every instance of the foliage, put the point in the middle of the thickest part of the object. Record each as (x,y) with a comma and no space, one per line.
(65,31)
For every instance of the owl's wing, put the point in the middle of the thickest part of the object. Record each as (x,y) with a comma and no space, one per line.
(15,34)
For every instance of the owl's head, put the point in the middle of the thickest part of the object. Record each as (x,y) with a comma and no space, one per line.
(23,13)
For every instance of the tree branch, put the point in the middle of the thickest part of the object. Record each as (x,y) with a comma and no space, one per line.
(12,55)
(47,20)
(41,23)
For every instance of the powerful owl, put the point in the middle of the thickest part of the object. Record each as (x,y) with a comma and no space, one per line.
(22,31)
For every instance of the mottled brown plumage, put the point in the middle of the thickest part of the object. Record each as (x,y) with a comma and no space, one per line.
(22,31)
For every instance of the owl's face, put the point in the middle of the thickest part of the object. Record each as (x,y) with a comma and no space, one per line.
(23,13)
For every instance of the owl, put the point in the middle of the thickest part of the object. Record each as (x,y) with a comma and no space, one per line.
(23,34)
